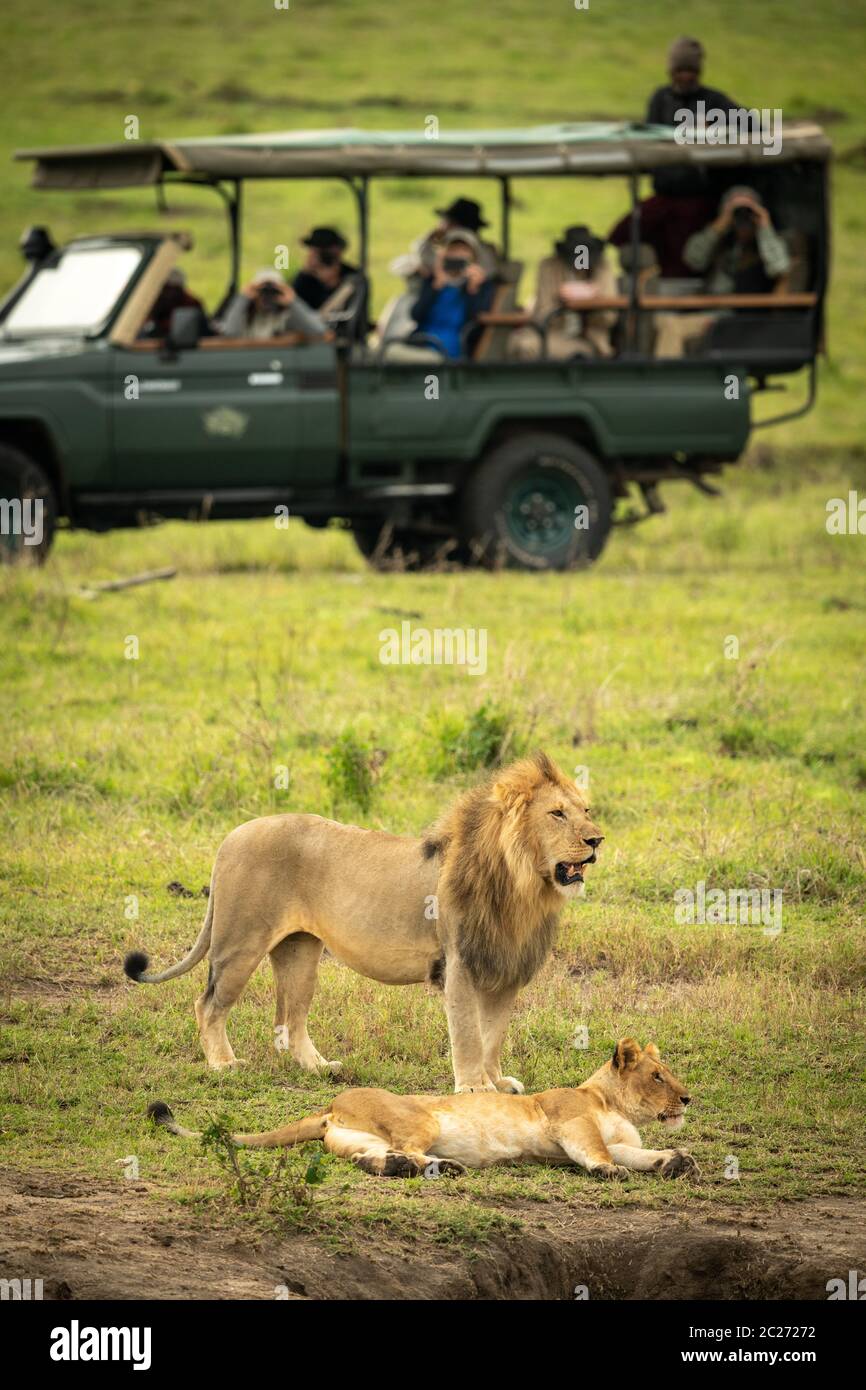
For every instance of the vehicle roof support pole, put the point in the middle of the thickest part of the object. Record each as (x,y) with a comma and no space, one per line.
(506,218)
(360,188)
(235,220)
(633,310)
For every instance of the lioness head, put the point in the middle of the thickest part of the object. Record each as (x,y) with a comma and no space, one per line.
(648,1089)
(554,822)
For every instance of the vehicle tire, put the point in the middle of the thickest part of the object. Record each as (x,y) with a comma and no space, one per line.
(23,479)
(394,548)
(519,508)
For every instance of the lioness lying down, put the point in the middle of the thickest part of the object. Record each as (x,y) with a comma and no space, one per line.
(592,1126)
(472,907)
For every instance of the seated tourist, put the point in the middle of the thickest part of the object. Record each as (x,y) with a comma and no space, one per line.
(464,214)
(739,252)
(456,292)
(173,295)
(324,269)
(267,307)
(568,280)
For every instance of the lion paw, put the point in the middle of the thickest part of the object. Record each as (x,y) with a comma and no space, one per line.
(321,1066)
(399,1165)
(469,1090)
(510,1085)
(444,1168)
(610,1172)
(680,1164)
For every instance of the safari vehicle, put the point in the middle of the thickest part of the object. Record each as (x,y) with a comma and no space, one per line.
(514,462)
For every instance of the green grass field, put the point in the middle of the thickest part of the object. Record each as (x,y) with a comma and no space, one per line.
(121,776)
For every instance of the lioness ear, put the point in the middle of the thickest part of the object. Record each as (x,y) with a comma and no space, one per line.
(652,1051)
(432,845)
(625,1054)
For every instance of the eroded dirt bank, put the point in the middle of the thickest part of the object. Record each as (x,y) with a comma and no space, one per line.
(89,1241)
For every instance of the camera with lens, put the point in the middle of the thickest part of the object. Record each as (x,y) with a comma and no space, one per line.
(744,217)
(455,266)
(269,296)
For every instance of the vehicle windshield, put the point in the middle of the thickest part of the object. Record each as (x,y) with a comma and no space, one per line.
(76,294)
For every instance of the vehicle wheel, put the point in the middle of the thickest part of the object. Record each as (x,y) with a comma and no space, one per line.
(520,506)
(388,547)
(22,479)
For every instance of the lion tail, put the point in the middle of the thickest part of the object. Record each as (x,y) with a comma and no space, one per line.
(298,1132)
(136,962)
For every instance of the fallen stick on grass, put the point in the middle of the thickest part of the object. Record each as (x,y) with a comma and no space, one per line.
(103,586)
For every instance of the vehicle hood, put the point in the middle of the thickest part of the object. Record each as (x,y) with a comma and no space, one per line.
(21,352)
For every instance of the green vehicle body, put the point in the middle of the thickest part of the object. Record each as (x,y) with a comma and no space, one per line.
(332,430)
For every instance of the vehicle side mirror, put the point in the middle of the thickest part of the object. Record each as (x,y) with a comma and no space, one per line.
(184,328)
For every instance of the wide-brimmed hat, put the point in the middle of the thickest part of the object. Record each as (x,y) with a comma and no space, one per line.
(575,237)
(324,237)
(465,212)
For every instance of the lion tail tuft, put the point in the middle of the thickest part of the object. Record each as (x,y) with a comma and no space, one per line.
(161,1115)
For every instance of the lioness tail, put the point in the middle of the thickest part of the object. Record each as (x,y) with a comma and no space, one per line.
(136,962)
(298,1132)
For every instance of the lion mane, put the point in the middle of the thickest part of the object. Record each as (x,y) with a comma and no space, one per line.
(493,882)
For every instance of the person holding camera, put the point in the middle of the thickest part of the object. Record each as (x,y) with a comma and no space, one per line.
(740,249)
(458,290)
(739,252)
(267,307)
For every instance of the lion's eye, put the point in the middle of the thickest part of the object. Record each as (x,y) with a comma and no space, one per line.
(560,815)
(657,1076)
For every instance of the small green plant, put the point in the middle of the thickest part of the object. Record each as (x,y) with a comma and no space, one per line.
(286,1189)
(352,768)
(485,738)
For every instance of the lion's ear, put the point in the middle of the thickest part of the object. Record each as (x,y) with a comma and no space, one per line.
(652,1051)
(625,1054)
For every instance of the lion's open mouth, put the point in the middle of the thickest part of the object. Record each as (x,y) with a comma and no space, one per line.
(567,873)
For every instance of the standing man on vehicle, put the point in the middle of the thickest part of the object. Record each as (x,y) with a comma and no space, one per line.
(685,89)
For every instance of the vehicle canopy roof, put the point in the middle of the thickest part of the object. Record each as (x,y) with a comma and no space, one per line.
(594,147)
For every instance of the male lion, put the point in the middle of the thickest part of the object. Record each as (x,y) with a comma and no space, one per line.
(472,908)
(592,1126)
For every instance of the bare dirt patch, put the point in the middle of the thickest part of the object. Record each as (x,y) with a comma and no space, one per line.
(90,1241)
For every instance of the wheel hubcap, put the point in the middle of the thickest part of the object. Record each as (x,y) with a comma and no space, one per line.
(540,508)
